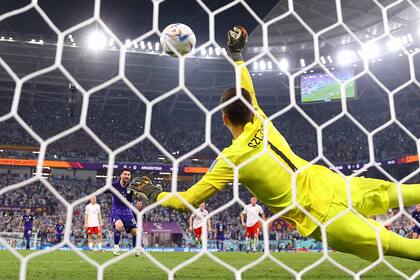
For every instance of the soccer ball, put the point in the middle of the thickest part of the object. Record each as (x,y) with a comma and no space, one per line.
(180,37)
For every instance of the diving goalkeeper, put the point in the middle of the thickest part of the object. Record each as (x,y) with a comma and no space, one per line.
(320,191)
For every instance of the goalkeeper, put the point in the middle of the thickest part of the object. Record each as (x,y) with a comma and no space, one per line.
(320,191)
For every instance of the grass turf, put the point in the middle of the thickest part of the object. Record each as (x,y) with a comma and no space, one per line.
(68,265)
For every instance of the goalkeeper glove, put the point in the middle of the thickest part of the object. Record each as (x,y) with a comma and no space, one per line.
(236,41)
(144,188)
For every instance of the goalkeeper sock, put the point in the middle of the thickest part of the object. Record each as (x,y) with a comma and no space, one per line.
(403,247)
(410,194)
(134,241)
(100,246)
(90,246)
(117,236)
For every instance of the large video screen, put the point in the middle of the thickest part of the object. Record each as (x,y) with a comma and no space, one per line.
(318,87)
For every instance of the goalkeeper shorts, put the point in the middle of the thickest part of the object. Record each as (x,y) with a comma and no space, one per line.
(355,233)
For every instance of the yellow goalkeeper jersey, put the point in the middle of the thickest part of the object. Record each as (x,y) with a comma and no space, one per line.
(266,174)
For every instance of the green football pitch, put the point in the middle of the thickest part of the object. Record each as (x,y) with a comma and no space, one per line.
(329,92)
(68,265)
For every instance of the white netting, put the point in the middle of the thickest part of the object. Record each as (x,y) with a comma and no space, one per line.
(176,161)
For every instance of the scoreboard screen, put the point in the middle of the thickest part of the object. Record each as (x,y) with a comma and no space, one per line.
(319,86)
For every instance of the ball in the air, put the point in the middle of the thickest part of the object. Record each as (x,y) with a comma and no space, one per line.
(180,37)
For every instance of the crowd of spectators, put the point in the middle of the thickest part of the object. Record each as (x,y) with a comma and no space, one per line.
(178,133)
(48,210)
(315,81)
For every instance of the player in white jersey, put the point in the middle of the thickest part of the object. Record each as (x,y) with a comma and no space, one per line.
(196,222)
(253,212)
(93,223)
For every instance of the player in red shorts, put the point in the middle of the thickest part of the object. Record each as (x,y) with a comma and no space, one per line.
(93,223)
(253,212)
(196,223)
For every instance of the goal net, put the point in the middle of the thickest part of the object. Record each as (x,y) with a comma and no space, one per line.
(326,84)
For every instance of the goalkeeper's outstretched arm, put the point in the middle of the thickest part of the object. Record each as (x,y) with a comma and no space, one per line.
(236,41)
(218,176)
(215,180)
(198,193)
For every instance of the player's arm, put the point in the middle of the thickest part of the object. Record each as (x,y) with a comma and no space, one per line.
(198,193)
(262,214)
(86,220)
(236,41)
(100,219)
(246,82)
(242,218)
(218,176)
(209,224)
(191,221)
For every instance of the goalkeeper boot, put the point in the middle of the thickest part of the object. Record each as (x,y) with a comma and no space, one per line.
(116,250)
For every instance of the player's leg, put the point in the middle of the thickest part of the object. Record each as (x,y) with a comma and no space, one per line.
(90,239)
(354,235)
(130,226)
(254,249)
(350,234)
(255,233)
(197,234)
(99,239)
(118,226)
(58,238)
(27,236)
(410,194)
(403,247)
(375,197)
(134,232)
(217,243)
(248,235)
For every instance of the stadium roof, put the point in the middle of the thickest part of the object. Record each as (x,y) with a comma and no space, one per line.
(363,18)
(205,76)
